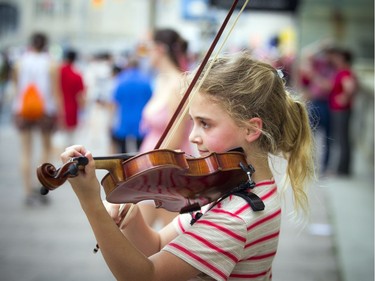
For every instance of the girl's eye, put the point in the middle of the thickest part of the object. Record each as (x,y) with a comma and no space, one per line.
(204,124)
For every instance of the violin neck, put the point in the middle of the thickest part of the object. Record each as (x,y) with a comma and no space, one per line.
(122,156)
(112,165)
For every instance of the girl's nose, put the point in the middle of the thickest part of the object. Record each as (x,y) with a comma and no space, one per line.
(193,137)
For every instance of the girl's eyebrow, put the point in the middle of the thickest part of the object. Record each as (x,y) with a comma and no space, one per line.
(202,118)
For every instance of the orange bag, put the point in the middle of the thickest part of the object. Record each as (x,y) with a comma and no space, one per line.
(32,107)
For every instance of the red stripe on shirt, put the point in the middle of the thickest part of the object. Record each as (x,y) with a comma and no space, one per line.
(213,247)
(200,260)
(242,209)
(236,213)
(246,276)
(180,224)
(269,194)
(263,220)
(265,238)
(222,229)
(222,211)
(265,183)
(261,257)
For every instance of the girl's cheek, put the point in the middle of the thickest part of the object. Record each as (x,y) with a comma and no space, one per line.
(216,144)
(221,142)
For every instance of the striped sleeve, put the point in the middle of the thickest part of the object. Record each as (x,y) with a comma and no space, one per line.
(231,241)
(213,245)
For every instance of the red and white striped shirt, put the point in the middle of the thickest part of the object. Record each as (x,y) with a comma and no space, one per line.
(231,241)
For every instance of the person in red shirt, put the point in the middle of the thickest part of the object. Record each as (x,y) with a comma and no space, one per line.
(341,100)
(72,91)
(316,75)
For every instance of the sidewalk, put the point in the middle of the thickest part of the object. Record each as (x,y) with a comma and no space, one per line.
(55,242)
(351,204)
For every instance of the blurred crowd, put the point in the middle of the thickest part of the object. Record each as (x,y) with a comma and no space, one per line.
(328,81)
(122,103)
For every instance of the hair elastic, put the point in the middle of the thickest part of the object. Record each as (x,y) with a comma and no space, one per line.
(280,73)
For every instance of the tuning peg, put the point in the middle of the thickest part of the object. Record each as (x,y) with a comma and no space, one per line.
(44,190)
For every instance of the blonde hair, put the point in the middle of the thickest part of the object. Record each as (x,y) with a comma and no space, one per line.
(247,88)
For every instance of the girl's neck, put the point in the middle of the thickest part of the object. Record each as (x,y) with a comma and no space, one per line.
(260,163)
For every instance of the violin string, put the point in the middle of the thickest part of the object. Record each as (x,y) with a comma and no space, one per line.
(183,113)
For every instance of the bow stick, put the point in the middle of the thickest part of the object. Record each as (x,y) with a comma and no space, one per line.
(198,73)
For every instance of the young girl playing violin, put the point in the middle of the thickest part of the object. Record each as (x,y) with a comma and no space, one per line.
(241,103)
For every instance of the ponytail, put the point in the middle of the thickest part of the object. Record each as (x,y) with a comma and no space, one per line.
(296,146)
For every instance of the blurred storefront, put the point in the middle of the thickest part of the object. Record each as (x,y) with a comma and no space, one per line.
(271,28)
(109,23)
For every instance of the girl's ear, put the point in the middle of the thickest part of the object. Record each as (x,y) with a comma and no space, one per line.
(254,129)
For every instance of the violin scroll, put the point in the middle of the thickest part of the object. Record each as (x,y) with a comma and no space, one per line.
(51,178)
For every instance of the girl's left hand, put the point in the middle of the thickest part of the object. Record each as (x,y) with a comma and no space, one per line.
(85,184)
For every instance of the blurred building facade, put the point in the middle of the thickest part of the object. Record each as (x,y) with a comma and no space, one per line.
(115,25)
(111,23)
(83,24)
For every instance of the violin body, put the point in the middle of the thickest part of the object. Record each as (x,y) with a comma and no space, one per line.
(174,181)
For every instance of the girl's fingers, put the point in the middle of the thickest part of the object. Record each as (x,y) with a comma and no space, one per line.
(113,210)
(75,151)
(126,215)
(68,154)
(120,213)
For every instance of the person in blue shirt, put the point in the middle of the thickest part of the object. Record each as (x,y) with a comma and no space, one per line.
(131,93)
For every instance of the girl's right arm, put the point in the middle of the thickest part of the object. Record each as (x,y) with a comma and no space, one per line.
(125,261)
(132,224)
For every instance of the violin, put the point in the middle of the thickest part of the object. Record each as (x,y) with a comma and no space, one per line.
(174,181)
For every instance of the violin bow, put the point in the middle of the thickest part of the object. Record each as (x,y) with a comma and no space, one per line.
(199,71)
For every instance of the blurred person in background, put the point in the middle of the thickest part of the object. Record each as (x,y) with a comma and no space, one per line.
(131,93)
(114,147)
(99,81)
(168,57)
(98,76)
(72,92)
(341,101)
(35,79)
(316,77)
(5,77)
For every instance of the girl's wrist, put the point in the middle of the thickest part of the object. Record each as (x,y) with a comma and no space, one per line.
(91,204)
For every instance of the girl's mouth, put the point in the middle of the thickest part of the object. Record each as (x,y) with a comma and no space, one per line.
(203,152)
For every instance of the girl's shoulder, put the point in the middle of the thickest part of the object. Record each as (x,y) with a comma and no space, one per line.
(240,207)
(234,210)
